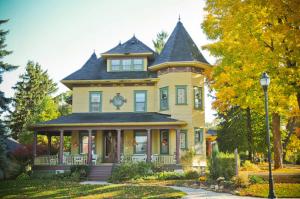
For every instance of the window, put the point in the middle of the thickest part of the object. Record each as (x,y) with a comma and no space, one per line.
(84,144)
(198,99)
(164,142)
(181,95)
(138,64)
(183,139)
(95,101)
(164,99)
(198,140)
(115,64)
(198,135)
(126,63)
(140,101)
(140,145)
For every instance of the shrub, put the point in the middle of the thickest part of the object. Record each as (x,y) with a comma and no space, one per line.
(23,176)
(241,180)
(256,179)
(79,171)
(191,174)
(221,164)
(170,176)
(248,166)
(127,171)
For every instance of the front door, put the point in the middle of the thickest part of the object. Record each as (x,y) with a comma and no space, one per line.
(110,146)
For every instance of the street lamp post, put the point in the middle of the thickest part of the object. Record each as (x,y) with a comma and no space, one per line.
(264,82)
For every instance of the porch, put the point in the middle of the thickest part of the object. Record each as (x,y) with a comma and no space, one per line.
(100,143)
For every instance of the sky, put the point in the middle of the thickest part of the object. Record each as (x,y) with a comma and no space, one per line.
(62,34)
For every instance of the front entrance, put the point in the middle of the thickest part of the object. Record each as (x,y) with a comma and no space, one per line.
(110,146)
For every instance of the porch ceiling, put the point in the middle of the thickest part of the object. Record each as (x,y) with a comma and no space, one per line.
(107,121)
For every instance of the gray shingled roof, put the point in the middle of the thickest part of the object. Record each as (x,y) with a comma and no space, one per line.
(95,69)
(180,47)
(110,117)
(133,45)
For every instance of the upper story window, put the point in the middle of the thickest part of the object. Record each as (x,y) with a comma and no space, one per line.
(135,64)
(95,101)
(198,98)
(181,95)
(140,101)
(164,98)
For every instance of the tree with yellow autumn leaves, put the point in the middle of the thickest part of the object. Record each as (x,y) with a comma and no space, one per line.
(251,37)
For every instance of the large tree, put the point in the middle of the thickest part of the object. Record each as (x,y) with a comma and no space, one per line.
(32,101)
(4,102)
(252,37)
(160,41)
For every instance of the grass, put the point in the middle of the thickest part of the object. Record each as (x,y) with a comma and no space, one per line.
(67,189)
(284,190)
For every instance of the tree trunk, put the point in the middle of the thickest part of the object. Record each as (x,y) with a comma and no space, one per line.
(278,163)
(298,99)
(290,128)
(250,134)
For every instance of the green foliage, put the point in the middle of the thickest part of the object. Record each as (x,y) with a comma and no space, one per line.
(64,101)
(127,171)
(4,102)
(191,174)
(221,165)
(160,41)
(253,179)
(169,175)
(233,131)
(32,102)
(23,176)
(80,171)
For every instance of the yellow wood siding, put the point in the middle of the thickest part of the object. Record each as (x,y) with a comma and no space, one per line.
(81,98)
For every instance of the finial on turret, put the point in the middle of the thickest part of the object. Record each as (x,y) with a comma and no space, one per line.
(179,18)
(120,43)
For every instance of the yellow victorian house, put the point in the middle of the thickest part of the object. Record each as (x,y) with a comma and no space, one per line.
(132,104)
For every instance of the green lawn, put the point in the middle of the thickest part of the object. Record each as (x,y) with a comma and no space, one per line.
(68,189)
(284,190)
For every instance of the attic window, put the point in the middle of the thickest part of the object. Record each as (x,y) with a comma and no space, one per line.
(134,64)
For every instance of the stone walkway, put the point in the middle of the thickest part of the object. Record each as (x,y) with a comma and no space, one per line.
(202,193)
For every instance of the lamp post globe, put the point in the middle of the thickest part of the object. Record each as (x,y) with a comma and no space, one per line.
(265,82)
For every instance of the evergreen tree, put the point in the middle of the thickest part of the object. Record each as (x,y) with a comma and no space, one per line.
(32,98)
(4,67)
(64,102)
(160,41)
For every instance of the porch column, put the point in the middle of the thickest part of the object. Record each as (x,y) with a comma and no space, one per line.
(61,147)
(34,144)
(148,145)
(49,143)
(177,146)
(118,145)
(89,147)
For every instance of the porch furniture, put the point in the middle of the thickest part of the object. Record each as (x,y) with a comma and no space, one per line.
(94,159)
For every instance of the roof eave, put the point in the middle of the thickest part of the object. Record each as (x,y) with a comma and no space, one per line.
(117,124)
(106,55)
(70,83)
(180,63)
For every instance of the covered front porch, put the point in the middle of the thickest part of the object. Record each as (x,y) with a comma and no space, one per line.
(115,142)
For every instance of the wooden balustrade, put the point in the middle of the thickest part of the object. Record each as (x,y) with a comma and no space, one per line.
(157,159)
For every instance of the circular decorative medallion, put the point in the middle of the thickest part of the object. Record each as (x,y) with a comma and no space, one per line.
(118,101)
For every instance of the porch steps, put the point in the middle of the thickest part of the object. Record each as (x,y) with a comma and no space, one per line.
(101,172)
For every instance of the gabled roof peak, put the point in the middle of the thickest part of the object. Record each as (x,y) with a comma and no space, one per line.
(131,46)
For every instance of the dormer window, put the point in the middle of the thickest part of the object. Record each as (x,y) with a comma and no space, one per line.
(133,64)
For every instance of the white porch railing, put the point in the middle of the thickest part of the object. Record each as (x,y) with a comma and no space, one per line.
(155,158)
(46,160)
(77,159)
